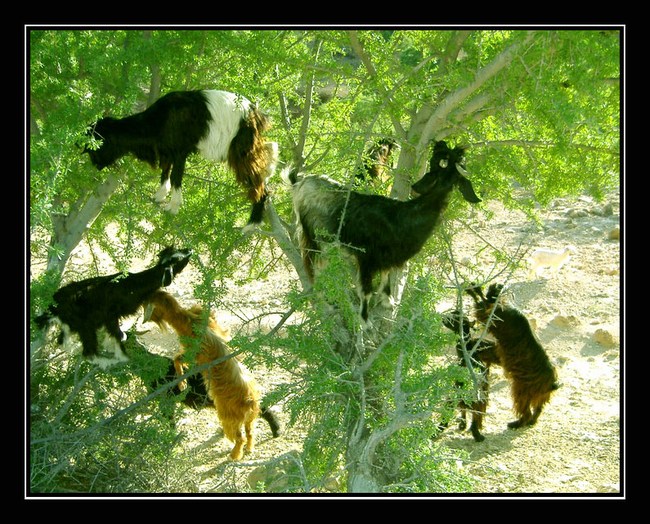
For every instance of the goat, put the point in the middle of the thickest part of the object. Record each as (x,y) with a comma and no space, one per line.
(196,395)
(221,126)
(85,306)
(380,232)
(157,370)
(376,160)
(482,354)
(230,386)
(549,258)
(525,363)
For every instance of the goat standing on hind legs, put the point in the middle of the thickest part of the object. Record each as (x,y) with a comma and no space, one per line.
(482,354)
(85,306)
(532,376)
(230,386)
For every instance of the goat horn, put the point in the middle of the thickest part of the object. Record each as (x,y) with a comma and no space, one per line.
(148,310)
(461,170)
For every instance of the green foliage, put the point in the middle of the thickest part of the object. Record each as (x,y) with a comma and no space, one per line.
(88,434)
(546,121)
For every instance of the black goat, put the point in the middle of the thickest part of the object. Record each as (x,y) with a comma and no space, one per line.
(525,363)
(85,306)
(380,232)
(219,125)
(482,354)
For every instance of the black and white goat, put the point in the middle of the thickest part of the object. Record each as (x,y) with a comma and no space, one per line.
(532,376)
(88,305)
(380,232)
(221,126)
(482,354)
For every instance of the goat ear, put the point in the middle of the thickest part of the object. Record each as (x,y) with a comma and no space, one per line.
(467,190)
(148,311)
(168,276)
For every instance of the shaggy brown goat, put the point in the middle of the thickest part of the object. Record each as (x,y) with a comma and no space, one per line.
(230,386)
(527,366)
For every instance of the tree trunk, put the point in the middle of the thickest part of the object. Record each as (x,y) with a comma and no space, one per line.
(69,230)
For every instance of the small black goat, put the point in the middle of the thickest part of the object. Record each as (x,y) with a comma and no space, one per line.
(85,306)
(482,354)
(219,125)
(525,363)
(380,232)
(376,161)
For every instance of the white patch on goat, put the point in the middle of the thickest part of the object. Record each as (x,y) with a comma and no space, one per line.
(67,335)
(162,192)
(250,228)
(227,110)
(386,300)
(314,197)
(175,201)
(111,344)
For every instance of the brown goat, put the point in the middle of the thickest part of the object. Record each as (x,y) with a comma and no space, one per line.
(230,386)
(525,363)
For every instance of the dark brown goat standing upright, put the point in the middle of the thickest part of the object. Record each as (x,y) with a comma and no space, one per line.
(376,161)
(527,366)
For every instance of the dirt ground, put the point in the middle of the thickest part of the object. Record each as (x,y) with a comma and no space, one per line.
(575,448)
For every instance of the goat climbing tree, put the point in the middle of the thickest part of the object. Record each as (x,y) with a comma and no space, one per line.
(521,100)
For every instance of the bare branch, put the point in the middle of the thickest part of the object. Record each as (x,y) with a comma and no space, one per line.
(456,98)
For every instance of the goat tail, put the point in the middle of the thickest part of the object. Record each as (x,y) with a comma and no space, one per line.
(270,417)
(251,157)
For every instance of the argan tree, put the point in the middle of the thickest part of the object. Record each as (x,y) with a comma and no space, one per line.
(537,109)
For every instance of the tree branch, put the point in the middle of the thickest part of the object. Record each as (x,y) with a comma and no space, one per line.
(454,99)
